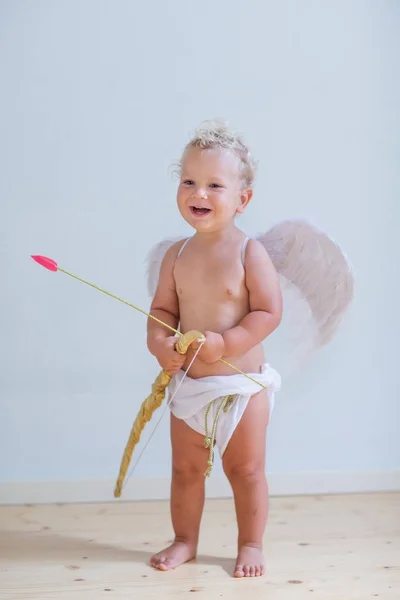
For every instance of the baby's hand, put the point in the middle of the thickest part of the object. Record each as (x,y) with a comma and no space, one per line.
(168,358)
(213,348)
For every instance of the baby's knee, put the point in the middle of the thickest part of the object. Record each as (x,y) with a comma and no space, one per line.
(246,471)
(186,471)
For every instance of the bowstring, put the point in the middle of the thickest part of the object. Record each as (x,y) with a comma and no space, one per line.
(168,404)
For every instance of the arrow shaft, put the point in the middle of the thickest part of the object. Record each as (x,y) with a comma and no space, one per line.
(131,305)
(96,287)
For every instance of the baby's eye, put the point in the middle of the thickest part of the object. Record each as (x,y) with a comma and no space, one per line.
(188,182)
(215,185)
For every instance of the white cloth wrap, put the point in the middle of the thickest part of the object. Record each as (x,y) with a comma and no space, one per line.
(194,395)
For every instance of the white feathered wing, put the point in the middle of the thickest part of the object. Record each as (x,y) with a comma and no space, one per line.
(316,277)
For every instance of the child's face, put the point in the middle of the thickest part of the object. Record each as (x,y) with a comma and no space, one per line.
(210,192)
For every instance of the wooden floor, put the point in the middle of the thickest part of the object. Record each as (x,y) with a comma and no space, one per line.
(342,547)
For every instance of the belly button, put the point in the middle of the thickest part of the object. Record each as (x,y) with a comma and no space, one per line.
(229,292)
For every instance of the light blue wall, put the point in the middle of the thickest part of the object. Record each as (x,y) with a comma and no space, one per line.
(97,99)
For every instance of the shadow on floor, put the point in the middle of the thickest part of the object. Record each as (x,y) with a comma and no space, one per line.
(73,552)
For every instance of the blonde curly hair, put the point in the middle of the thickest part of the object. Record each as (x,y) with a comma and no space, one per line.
(212,135)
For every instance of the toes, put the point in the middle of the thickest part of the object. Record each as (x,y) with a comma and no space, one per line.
(154,561)
(248,571)
(167,563)
(238,571)
(255,567)
(159,562)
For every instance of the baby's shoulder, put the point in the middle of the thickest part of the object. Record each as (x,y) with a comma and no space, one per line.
(174,249)
(255,250)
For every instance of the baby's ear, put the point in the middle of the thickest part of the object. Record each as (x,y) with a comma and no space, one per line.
(245,197)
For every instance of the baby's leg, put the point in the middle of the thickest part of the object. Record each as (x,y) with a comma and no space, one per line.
(189,461)
(244,465)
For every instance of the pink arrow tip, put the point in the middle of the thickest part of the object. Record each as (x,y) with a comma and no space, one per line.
(47,263)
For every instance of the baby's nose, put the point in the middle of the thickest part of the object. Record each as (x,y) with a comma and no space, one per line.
(200,193)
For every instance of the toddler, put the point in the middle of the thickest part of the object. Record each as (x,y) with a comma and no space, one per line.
(224,285)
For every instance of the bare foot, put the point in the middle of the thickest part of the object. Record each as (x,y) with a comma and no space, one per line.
(173,556)
(250,562)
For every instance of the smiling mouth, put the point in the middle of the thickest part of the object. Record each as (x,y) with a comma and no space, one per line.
(199,212)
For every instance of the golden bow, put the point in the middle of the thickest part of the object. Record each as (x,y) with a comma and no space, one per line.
(154,400)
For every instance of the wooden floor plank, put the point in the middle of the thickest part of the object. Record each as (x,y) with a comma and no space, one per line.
(342,547)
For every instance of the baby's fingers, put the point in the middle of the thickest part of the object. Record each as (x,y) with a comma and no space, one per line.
(195,345)
(178,359)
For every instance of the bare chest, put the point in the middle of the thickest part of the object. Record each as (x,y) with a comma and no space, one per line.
(220,279)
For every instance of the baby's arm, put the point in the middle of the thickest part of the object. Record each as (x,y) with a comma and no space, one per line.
(265,299)
(165,306)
